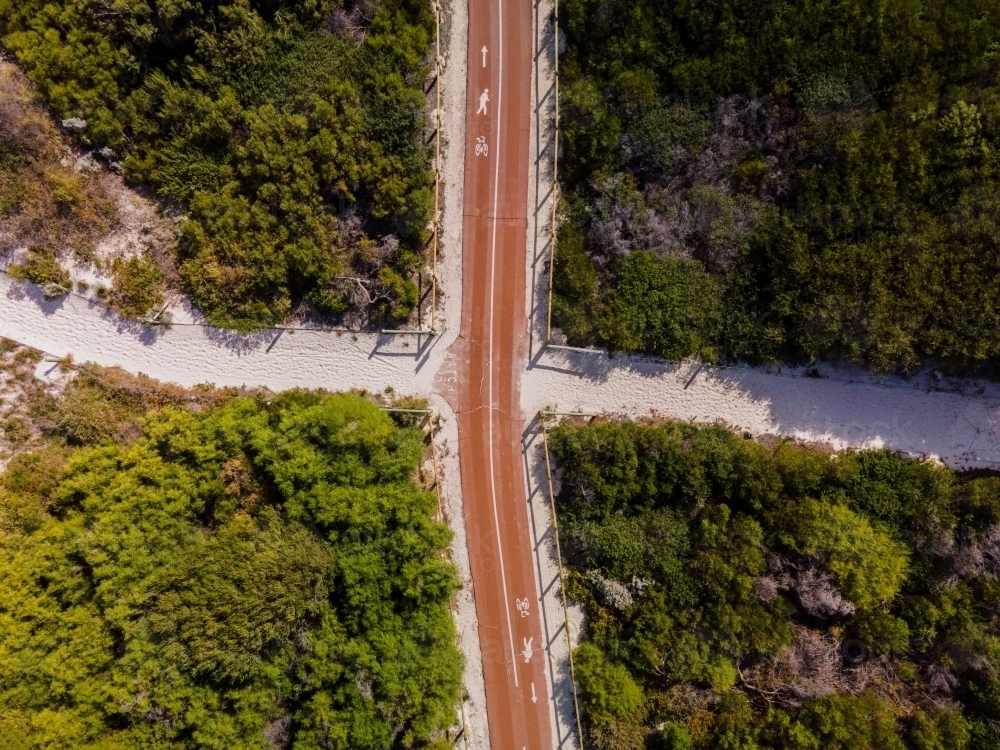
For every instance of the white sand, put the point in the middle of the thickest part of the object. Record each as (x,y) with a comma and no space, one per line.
(961,430)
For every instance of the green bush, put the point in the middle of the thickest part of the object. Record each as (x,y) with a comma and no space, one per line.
(663,306)
(940,730)
(40,267)
(575,288)
(674,736)
(269,127)
(607,690)
(869,566)
(883,634)
(732,581)
(657,135)
(260,562)
(137,284)
(847,722)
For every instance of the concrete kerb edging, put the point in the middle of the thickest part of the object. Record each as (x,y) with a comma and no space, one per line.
(542,416)
(561,622)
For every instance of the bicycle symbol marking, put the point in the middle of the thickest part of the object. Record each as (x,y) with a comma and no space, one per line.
(522,607)
(481,148)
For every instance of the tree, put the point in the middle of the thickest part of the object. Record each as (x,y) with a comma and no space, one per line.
(607,690)
(263,563)
(868,565)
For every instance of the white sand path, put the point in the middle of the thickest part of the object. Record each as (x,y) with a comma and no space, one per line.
(841,407)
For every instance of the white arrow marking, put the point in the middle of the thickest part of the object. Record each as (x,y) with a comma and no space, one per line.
(534,698)
(528,651)
(484,55)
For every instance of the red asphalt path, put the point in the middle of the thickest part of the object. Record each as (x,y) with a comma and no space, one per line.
(487,361)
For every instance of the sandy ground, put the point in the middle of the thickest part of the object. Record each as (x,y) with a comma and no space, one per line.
(540,197)
(842,408)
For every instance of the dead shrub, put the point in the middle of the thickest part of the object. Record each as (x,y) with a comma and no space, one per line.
(108,403)
(816,665)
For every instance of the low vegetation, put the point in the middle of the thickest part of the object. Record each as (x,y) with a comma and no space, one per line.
(742,595)
(776,181)
(193,568)
(290,132)
(56,209)
(44,204)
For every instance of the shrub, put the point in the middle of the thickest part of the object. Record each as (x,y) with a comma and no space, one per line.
(674,736)
(939,730)
(137,286)
(607,690)
(664,306)
(869,566)
(41,267)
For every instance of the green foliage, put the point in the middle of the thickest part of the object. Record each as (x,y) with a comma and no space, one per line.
(663,306)
(710,565)
(675,736)
(909,497)
(42,268)
(986,699)
(881,633)
(274,124)
(658,134)
(575,284)
(940,730)
(25,487)
(853,153)
(607,690)
(868,565)
(845,722)
(137,286)
(223,572)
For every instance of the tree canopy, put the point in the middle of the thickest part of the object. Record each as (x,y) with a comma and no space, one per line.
(830,167)
(290,132)
(742,595)
(265,573)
